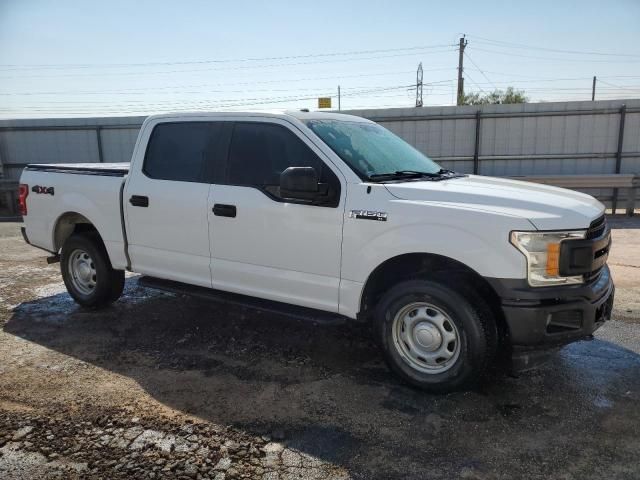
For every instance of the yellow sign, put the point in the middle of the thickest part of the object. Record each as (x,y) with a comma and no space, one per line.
(324,102)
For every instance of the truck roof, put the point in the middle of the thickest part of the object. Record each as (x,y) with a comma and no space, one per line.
(297,114)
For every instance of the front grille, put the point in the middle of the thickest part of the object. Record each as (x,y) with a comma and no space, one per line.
(597,228)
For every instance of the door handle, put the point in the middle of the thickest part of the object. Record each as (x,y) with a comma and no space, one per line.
(221,210)
(139,201)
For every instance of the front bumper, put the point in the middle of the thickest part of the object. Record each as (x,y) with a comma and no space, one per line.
(548,317)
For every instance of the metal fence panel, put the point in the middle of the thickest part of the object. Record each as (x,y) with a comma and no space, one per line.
(569,138)
(632,132)
(117,145)
(48,146)
(72,140)
(526,139)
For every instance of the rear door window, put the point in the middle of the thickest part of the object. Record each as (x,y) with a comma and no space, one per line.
(185,151)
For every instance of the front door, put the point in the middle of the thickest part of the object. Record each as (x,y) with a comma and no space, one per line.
(262,245)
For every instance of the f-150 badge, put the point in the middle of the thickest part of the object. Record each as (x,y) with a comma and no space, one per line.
(368,215)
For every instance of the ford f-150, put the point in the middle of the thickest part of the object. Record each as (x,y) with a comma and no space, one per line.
(334,215)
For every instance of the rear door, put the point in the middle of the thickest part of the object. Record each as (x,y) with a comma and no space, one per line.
(166,202)
(265,246)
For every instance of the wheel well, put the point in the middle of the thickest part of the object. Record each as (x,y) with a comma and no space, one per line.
(423,265)
(68,224)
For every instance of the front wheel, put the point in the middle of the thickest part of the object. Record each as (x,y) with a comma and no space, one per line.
(87,271)
(434,337)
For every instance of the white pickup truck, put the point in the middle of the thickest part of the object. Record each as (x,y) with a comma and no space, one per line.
(328,214)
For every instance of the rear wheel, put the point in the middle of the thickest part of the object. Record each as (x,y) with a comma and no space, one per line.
(87,272)
(434,337)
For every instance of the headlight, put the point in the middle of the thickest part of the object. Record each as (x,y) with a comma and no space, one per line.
(542,250)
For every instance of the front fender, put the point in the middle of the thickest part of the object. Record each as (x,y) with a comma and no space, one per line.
(493,259)
(477,238)
(474,237)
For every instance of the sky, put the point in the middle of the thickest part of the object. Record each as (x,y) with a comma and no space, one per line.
(87,58)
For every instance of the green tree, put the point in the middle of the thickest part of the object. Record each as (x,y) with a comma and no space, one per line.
(496,97)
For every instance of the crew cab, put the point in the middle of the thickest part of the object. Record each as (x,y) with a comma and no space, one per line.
(332,215)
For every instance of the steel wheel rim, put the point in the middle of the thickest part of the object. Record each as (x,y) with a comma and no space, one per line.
(426,338)
(82,271)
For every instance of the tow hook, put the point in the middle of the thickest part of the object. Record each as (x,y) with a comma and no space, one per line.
(53,259)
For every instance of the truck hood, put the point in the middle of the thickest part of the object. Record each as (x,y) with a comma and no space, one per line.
(546,207)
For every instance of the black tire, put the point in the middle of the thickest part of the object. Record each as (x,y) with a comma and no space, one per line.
(475,331)
(108,283)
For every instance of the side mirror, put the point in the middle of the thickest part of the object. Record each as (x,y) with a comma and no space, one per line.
(299,183)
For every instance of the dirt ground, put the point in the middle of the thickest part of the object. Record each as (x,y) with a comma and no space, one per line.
(165,386)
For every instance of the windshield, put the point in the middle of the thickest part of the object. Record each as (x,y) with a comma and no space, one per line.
(370,149)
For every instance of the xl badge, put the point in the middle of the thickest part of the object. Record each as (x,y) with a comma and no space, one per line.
(368,215)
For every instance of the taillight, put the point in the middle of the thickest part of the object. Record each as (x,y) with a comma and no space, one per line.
(23,192)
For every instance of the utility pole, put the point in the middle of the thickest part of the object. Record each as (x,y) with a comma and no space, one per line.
(419,86)
(338,97)
(593,89)
(463,44)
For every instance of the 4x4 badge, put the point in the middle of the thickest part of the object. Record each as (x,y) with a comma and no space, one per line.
(368,215)
(39,189)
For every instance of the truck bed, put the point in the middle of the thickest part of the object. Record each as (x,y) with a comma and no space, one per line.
(107,169)
(92,190)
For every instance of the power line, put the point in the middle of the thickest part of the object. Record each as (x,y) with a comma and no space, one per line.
(523,76)
(488,41)
(203,95)
(479,69)
(620,76)
(147,91)
(290,91)
(205,62)
(509,54)
(516,85)
(242,67)
(259,82)
(476,84)
(227,102)
(540,79)
(578,89)
(621,87)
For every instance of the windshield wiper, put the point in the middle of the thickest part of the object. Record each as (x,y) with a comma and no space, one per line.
(402,174)
(444,171)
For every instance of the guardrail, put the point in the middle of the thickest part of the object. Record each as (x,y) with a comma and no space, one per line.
(579,182)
